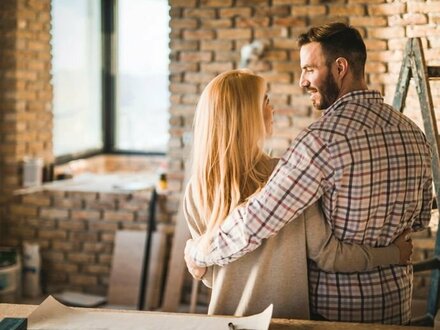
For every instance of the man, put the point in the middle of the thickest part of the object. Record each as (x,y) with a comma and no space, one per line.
(369,164)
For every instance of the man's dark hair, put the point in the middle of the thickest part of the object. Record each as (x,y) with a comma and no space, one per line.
(338,40)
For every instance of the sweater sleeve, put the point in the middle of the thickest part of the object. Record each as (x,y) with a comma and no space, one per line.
(333,255)
(196,228)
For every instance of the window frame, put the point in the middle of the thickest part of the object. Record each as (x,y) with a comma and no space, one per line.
(109,24)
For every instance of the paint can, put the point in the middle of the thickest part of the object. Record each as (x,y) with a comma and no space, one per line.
(32,172)
(10,275)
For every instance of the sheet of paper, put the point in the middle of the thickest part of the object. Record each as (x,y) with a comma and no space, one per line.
(52,315)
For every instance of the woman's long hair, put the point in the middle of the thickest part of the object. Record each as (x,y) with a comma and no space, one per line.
(228,162)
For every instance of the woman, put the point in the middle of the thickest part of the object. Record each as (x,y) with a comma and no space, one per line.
(232,119)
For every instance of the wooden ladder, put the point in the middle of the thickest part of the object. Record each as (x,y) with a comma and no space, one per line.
(414,66)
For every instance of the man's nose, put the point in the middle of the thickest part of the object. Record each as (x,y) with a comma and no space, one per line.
(303,83)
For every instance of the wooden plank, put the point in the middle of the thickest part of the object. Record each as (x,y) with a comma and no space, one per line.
(125,275)
(177,266)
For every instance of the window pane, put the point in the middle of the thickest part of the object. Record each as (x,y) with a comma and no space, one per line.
(142,86)
(76,71)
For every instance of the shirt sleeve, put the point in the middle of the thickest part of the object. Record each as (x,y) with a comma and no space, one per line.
(423,220)
(300,178)
(333,255)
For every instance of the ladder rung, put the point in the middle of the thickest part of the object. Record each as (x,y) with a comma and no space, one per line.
(434,71)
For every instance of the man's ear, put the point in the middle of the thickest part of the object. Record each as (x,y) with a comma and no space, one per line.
(341,67)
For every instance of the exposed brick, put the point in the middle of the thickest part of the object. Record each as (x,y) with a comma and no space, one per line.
(217,23)
(184,44)
(387,9)
(83,236)
(246,22)
(182,88)
(408,19)
(199,77)
(71,224)
(52,234)
(103,226)
(187,56)
(227,56)
(198,34)
(274,32)
(104,259)
(275,55)
(107,237)
(234,33)
(347,10)
(53,213)
(277,77)
(386,32)
(216,45)
(23,210)
(66,246)
(216,67)
(200,13)
(290,21)
(81,257)
(83,279)
(97,269)
(37,199)
(232,12)
(85,214)
(97,247)
(423,7)
(421,31)
(284,43)
(183,67)
(184,23)
(363,21)
(308,10)
(183,3)
(276,11)
(251,2)
(289,2)
(118,216)
(67,203)
(63,267)
(375,44)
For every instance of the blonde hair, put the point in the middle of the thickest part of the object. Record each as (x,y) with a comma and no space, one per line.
(228,161)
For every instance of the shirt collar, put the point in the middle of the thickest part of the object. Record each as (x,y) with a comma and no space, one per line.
(364,95)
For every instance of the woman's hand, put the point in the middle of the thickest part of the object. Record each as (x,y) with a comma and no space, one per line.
(404,243)
(196,271)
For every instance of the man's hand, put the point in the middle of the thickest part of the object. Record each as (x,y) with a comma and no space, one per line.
(404,243)
(196,271)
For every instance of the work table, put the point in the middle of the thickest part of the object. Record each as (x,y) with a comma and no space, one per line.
(23,311)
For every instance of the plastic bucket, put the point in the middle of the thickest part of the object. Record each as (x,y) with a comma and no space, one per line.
(10,276)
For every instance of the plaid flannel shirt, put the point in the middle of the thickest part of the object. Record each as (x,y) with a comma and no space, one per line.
(371,167)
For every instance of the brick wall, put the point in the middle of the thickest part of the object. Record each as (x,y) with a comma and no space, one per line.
(25,90)
(75,231)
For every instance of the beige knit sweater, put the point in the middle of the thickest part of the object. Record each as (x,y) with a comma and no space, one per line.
(276,272)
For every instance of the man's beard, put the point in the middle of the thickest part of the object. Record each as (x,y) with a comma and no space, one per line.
(329,93)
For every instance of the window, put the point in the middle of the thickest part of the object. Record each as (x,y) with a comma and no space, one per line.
(142,75)
(110,76)
(76,76)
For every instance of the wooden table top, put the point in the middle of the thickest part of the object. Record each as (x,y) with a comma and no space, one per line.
(23,311)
